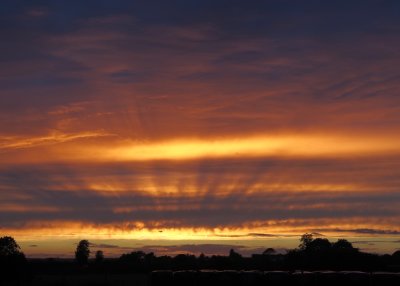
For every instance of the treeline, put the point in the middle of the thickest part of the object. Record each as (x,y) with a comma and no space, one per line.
(311,254)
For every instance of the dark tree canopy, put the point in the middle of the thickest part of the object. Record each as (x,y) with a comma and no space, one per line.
(234,255)
(134,256)
(82,252)
(305,240)
(396,254)
(9,247)
(269,251)
(99,256)
(319,244)
(12,260)
(342,244)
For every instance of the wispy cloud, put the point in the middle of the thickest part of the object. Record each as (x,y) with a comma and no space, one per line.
(9,142)
(367,231)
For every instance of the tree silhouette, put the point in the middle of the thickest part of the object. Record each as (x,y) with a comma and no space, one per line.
(82,252)
(234,255)
(305,240)
(269,251)
(13,264)
(9,247)
(318,244)
(396,257)
(99,256)
(342,244)
(133,257)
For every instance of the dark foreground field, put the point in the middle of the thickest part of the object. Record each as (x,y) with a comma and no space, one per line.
(214,278)
(273,278)
(91,280)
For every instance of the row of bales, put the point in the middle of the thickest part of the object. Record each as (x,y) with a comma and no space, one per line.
(272,278)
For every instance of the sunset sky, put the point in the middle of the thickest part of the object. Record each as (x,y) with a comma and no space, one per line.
(199,126)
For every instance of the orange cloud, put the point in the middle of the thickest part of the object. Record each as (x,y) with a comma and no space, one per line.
(18,142)
(281,146)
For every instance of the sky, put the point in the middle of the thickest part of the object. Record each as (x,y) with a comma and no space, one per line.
(199,126)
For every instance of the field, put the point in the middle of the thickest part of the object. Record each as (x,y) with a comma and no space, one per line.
(91,280)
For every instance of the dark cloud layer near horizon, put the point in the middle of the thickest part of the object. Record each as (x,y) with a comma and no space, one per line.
(196,194)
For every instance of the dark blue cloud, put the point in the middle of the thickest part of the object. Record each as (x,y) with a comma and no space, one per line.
(64,188)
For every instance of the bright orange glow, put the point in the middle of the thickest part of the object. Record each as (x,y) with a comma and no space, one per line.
(139,230)
(289,146)
(285,146)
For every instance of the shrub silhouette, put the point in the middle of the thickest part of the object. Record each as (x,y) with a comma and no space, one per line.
(99,256)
